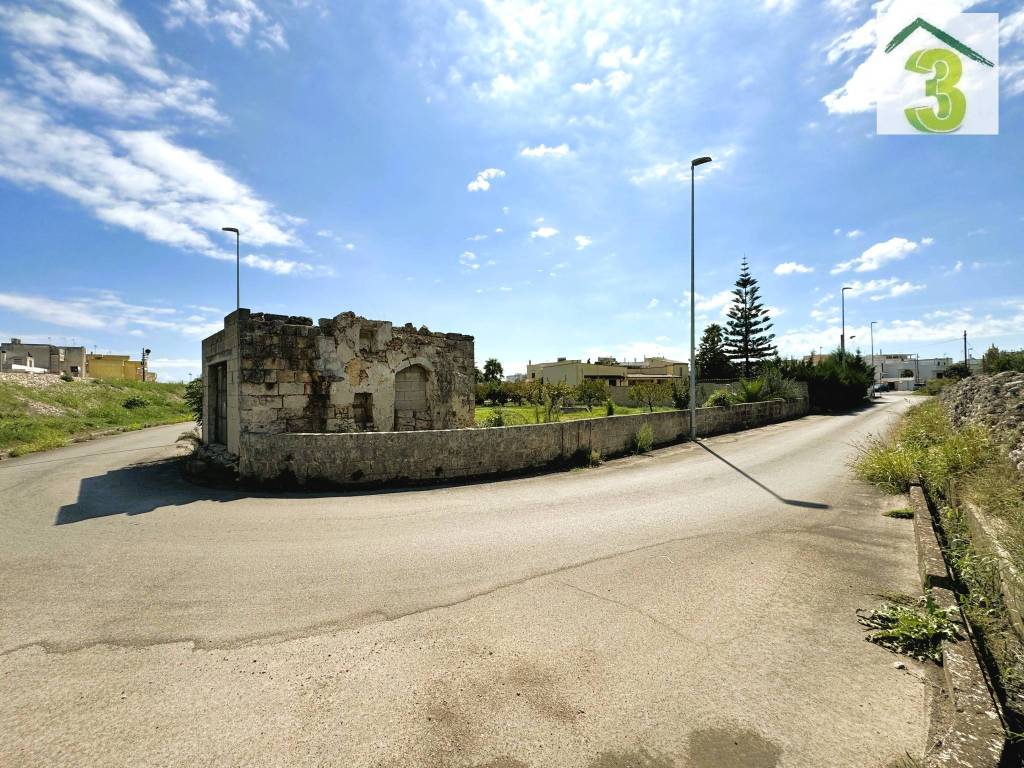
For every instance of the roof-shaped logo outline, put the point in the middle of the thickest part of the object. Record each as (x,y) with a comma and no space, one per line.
(945,37)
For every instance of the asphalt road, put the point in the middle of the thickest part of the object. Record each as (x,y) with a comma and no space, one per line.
(693,608)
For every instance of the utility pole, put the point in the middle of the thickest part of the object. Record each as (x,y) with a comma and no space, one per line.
(842,337)
(238,268)
(966,361)
(873,372)
(693,295)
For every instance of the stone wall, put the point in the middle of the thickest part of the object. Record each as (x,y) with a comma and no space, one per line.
(361,459)
(287,375)
(995,401)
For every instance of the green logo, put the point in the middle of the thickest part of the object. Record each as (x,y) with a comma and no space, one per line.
(946,68)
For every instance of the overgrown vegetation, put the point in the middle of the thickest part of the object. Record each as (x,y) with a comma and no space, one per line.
(37,418)
(913,630)
(836,382)
(193,395)
(530,413)
(643,440)
(956,466)
(998,360)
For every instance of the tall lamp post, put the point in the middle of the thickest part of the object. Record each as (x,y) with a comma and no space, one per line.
(873,382)
(842,336)
(693,296)
(238,268)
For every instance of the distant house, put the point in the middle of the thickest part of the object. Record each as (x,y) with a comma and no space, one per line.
(115,367)
(15,355)
(609,370)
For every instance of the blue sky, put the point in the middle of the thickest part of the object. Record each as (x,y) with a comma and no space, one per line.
(517,171)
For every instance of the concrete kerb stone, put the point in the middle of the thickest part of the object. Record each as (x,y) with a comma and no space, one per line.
(974,737)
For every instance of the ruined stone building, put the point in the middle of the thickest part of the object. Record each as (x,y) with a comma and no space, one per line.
(273,374)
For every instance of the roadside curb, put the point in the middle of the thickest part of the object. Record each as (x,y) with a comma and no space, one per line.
(974,734)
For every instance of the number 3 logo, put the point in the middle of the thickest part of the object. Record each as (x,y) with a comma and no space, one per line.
(952,104)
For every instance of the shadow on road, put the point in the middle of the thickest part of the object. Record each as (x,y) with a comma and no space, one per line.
(762,486)
(135,490)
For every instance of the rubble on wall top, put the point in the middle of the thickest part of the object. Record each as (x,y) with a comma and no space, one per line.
(349,318)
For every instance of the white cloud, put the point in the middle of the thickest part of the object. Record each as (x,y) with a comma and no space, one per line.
(853,234)
(878,290)
(1012,74)
(792,267)
(350,246)
(482,182)
(719,301)
(106,310)
(927,240)
(468,260)
(679,170)
(284,266)
(1011,28)
(582,241)
(878,255)
(653,303)
(542,151)
(498,230)
(240,20)
(59,46)
(477,238)
(618,80)
(593,85)
(544,232)
(139,180)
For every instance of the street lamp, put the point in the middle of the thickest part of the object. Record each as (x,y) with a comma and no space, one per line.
(238,268)
(873,324)
(917,368)
(842,336)
(693,297)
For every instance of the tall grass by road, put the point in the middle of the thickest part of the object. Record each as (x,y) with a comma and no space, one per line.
(958,467)
(48,412)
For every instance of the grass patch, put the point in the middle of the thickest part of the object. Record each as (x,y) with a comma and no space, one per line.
(528,414)
(912,630)
(900,514)
(643,440)
(957,466)
(40,418)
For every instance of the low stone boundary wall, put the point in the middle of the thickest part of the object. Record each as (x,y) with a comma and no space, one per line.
(325,460)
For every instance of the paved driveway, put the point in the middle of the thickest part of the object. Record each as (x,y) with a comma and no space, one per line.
(694,607)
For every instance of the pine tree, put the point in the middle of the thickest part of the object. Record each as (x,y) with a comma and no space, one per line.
(712,360)
(748,339)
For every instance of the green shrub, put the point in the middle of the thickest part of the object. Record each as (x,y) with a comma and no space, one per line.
(835,383)
(643,440)
(609,407)
(499,417)
(134,402)
(997,360)
(720,398)
(680,395)
(916,631)
(194,399)
(749,391)
(924,449)
(775,386)
(66,377)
